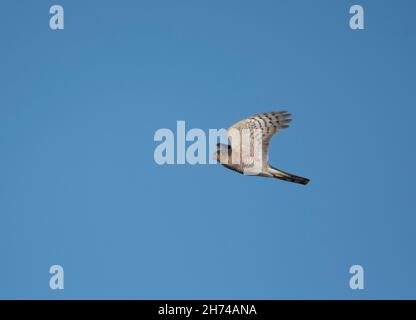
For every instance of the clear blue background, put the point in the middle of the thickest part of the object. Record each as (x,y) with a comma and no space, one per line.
(79,186)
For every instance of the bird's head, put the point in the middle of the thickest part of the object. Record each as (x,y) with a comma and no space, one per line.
(223,153)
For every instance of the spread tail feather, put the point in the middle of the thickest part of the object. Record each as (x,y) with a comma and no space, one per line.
(287,176)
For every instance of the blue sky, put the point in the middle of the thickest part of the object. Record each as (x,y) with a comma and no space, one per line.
(79,186)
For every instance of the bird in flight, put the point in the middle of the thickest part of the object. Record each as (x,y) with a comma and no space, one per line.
(248,152)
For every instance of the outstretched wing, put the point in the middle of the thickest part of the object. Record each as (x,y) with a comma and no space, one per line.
(261,126)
